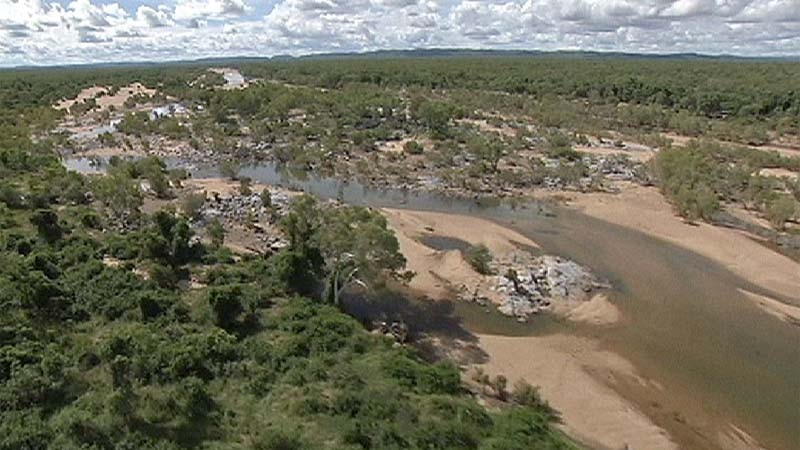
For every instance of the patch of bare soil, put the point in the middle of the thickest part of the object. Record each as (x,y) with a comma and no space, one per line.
(102,97)
(637,153)
(785,149)
(485,126)
(779,173)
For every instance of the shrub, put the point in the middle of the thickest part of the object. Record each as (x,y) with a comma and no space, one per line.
(192,204)
(480,258)
(413,148)
(781,209)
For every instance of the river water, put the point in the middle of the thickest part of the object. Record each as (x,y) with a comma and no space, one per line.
(717,357)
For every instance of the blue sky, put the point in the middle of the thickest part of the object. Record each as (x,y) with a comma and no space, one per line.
(85,31)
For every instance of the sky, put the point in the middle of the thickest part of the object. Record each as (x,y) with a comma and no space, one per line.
(49,32)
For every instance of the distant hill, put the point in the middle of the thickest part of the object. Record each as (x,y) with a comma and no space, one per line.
(432,53)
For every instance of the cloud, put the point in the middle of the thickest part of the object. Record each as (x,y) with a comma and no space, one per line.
(65,31)
(210,9)
(154,18)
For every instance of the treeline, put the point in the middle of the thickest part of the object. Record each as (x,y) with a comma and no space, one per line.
(708,88)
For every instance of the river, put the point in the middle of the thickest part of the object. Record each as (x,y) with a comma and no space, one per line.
(718,357)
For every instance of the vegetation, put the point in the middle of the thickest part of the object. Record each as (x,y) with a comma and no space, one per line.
(103,345)
(103,348)
(480,258)
(699,177)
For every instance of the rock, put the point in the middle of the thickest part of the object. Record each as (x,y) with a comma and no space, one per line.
(542,281)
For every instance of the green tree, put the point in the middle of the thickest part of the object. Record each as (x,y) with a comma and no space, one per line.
(354,243)
(231,306)
(47,225)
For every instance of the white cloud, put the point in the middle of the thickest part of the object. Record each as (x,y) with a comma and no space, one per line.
(214,9)
(43,31)
(154,17)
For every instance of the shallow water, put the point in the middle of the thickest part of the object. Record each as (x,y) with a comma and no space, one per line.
(685,325)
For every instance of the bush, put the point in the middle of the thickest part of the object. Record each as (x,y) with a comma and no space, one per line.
(480,258)
(413,148)
(524,394)
(781,209)
(192,204)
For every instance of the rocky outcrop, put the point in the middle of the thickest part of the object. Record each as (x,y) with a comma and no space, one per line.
(532,288)
(241,208)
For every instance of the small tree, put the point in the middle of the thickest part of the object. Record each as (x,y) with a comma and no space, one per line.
(46,222)
(526,395)
(230,306)
(499,385)
(266,198)
(413,148)
(244,186)
(217,233)
(192,204)
(228,170)
(488,151)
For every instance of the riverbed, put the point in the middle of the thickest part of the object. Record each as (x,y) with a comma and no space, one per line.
(718,360)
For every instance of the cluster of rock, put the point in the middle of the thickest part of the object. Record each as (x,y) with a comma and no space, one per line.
(546,279)
(597,169)
(250,211)
(246,208)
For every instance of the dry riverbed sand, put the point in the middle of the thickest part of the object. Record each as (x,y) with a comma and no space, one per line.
(572,372)
(646,210)
(579,378)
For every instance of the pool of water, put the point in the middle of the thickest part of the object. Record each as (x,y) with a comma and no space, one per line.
(686,325)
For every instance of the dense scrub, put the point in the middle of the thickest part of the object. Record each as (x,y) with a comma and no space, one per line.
(745,91)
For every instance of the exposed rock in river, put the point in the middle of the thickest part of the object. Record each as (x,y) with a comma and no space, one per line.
(537,285)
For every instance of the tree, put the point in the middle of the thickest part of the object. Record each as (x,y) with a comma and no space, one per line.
(122,400)
(231,306)
(499,385)
(46,222)
(119,193)
(244,186)
(192,204)
(355,243)
(228,170)
(488,151)
(435,116)
(266,198)
(169,239)
(358,247)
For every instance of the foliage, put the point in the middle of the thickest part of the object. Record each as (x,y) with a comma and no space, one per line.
(480,258)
